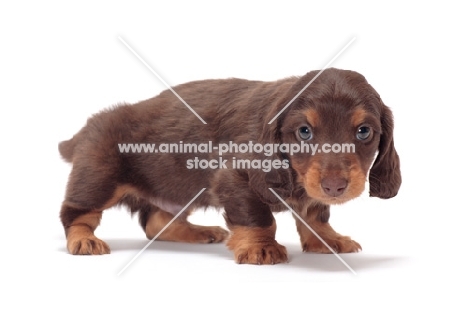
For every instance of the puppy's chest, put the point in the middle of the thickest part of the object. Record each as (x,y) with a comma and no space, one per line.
(174,208)
(166,205)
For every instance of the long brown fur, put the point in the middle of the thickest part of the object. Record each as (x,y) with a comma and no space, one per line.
(157,185)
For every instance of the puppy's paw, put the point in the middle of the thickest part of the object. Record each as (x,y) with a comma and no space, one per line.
(256,245)
(87,246)
(202,234)
(261,253)
(340,244)
(186,232)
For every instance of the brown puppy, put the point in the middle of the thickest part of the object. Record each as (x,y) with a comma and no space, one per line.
(338,110)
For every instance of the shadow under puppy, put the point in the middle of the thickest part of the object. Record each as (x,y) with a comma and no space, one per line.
(339,107)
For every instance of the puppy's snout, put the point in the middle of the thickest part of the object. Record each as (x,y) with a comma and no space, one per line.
(334,186)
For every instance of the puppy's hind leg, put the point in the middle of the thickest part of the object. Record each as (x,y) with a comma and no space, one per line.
(88,195)
(80,231)
(153,220)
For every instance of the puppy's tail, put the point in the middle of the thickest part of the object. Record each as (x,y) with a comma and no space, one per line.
(67,149)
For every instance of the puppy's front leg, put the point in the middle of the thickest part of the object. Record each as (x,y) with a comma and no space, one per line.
(256,245)
(251,222)
(316,216)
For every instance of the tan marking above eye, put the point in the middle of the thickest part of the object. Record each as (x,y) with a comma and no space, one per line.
(312,117)
(358,117)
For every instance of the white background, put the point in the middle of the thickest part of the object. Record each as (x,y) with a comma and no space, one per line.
(60,63)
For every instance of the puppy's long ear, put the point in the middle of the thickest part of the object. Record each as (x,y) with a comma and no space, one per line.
(385,176)
(280,180)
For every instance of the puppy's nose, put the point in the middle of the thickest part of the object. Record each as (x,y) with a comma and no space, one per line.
(334,186)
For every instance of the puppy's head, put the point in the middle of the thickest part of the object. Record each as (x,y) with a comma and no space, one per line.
(342,120)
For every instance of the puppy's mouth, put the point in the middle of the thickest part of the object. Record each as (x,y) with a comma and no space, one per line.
(334,200)
(330,196)
(335,188)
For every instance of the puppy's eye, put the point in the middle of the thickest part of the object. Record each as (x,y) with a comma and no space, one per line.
(304,133)
(363,133)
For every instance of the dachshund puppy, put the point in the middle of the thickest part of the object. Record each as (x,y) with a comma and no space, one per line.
(339,109)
